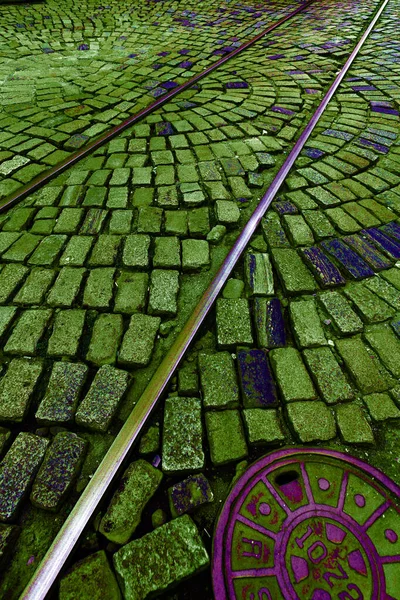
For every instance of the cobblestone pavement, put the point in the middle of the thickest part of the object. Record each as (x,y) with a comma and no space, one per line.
(100,269)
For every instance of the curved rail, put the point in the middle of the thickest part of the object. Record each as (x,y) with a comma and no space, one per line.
(73,527)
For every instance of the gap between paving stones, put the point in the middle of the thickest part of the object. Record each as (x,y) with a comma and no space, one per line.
(70,532)
(41,180)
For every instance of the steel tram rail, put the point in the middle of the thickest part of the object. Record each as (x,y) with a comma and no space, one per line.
(73,527)
(45,177)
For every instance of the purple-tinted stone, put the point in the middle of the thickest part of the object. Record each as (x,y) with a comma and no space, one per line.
(396,326)
(164,128)
(132,55)
(327,273)
(284,207)
(157,92)
(368,252)
(170,85)
(83,47)
(156,66)
(386,111)
(313,152)
(48,50)
(392,230)
(311,91)
(284,111)
(187,495)
(341,135)
(163,54)
(352,263)
(363,88)
(186,64)
(184,51)
(270,324)
(387,244)
(257,384)
(374,145)
(276,56)
(236,85)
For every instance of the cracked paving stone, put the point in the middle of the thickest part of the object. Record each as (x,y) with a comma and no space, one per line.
(258,274)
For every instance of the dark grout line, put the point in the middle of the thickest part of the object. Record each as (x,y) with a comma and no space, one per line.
(45,177)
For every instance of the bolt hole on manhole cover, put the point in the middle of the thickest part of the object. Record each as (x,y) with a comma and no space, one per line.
(309,524)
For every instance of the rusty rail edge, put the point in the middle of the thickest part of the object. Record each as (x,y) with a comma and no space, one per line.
(42,179)
(64,543)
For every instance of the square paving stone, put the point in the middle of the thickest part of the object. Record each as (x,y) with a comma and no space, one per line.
(100,404)
(364,367)
(263,427)
(226,437)
(78,582)
(60,401)
(164,288)
(149,219)
(182,440)
(295,276)
(121,222)
(66,334)
(17,471)
(17,387)
(195,255)
(387,345)
(199,222)
(327,375)
(28,331)
(131,292)
(138,343)
(227,212)
(189,494)
(291,375)
(177,553)
(167,253)
(258,274)
(35,286)
(381,407)
(353,425)
(104,253)
(233,323)
(66,287)
(93,222)
(69,220)
(104,343)
(137,485)
(306,324)
(58,471)
(256,380)
(218,380)
(339,310)
(136,251)
(76,251)
(99,288)
(311,421)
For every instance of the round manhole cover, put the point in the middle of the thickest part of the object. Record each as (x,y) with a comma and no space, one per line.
(309,524)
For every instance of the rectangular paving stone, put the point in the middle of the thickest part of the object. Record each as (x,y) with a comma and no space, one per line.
(353,264)
(392,276)
(363,367)
(258,274)
(384,290)
(136,251)
(256,381)
(137,486)
(383,242)
(368,251)
(66,287)
(233,323)
(353,425)
(19,220)
(60,401)
(93,222)
(138,342)
(58,471)
(121,222)
(28,331)
(17,387)
(299,232)
(327,375)
(48,250)
(387,345)
(17,471)
(285,362)
(7,313)
(99,288)
(319,224)
(76,251)
(182,442)
(371,308)
(381,407)
(273,231)
(67,331)
(178,553)
(218,380)
(35,286)
(295,276)
(22,248)
(104,343)
(131,292)
(7,239)
(342,221)
(342,315)
(164,288)
(100,404)
(269,323)
(79,580)
(226,437)
(326,272)
(306,324)
(311,421)
(263,427)
(104,253)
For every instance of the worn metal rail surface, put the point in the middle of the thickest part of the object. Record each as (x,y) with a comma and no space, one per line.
(73,527)
(71,160)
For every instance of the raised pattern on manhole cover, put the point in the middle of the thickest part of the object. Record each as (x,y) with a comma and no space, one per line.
(309,524)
